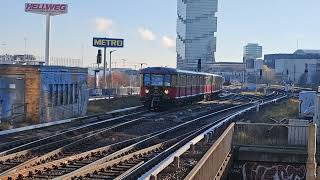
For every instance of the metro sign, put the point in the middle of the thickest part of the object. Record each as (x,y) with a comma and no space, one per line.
(52,9)
(108,42)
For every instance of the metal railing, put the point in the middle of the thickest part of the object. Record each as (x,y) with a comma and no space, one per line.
(274,135)
(122,91)
(16,111)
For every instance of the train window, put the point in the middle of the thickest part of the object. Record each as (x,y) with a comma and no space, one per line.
(167,80)
(194,81)
(182,80)
(146,80)
(198,80)
(189,80)
(174,80)
(156,80)
(141,79)
(207,79)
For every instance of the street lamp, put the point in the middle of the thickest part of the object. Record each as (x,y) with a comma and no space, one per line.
(123,62)
(25,48)
(110,71)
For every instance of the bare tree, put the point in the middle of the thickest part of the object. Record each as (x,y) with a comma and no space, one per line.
(315,79)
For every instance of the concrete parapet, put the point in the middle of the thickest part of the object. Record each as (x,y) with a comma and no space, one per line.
(311,163)
(210,164)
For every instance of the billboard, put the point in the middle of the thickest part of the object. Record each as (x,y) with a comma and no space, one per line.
(52,9)
(108,42)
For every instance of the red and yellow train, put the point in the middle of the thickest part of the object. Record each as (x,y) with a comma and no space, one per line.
(161,86)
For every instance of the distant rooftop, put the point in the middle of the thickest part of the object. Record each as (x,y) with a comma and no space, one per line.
(293,56)
(307,51)
(228,63)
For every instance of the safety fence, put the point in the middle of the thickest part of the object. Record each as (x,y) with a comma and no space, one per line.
(271,135)
(114,92)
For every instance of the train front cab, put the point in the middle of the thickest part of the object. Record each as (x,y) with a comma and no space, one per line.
(157,90)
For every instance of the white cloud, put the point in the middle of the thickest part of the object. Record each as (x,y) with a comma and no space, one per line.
(103,25)
(168,42)
(146,34)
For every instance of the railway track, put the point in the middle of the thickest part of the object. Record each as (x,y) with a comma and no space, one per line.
(121,167)
(173,132)
(187,154)
(20,136)
(74,133)
(133,172)
(30,157)
(85,153)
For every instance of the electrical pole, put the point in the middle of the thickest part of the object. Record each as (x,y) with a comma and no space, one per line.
(47,55)
(25,48)
(110,70)
(105,67)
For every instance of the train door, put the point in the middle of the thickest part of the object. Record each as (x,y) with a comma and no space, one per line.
(184,85)
(193,85)
(188,85)
(174,85)
(178,85)
(214,84)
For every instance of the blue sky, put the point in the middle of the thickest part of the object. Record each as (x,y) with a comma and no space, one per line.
(149,28)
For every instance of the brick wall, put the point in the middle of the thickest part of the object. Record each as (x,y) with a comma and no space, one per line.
(37,82)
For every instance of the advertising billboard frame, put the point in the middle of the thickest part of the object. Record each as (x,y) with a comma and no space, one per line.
(108,42)
(46,8)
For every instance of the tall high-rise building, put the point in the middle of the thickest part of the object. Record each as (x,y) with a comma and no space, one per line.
(196,27)
(252,51)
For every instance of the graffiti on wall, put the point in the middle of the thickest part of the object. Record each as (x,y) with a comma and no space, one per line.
(267,171)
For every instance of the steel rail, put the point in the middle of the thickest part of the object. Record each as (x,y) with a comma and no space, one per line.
(36,165)
(66,133)
(145,142)
(64,148)
(179,151)
(54,153)
(50,124)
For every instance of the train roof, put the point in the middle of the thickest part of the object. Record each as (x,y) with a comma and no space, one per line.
(166,70)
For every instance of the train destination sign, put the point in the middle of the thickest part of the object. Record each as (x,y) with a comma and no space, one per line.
(108,42)
(52,9)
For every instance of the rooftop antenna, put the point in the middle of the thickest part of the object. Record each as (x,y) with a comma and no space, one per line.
(297,44)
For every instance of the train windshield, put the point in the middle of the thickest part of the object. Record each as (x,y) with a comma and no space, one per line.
(156,80)
(146,79)
(167,80)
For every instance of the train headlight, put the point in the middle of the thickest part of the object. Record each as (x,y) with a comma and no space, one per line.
(146,91)
(166,91)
